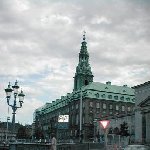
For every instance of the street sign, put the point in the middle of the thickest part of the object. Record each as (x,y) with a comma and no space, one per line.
(104,123)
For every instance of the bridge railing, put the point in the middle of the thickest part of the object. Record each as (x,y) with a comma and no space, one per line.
(60,146)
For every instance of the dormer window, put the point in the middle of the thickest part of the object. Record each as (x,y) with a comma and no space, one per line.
(122,98)
(110,96)
(128,99)
(97,95)
(103,96)
(116,97)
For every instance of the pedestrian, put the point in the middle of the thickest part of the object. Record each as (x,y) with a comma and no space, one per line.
(53,142)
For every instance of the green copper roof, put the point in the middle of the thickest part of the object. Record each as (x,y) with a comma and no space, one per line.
(101,91)
(108,88)
(95,90)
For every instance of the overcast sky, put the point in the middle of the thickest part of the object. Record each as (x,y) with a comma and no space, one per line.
(40,41)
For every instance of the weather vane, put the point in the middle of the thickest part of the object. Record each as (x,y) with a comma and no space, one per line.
(84,35)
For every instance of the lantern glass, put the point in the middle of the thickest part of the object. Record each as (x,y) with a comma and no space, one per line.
(8,91)
(15,90)
(8,94)
(15,87)
(21,96)
(21,99)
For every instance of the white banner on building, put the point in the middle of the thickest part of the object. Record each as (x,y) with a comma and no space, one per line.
(63,118)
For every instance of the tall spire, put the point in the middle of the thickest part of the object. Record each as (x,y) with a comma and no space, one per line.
(84,35)
(83,75)
(83,50)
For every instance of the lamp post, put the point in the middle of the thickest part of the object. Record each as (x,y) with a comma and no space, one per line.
(8,118)
(80,118)
(104,124)
(94,123)
(14,106)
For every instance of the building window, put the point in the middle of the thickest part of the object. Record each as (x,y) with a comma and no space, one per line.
(129,108)
(91,104)
(76,132)
(90,110)
(117,107)
(110,96)
(97,111)
(77,106)
(128,99)
(123,108)
(104,106)
(77,119)
(97,95)
(110,106)
(67,109)
(90,119)
(72,107)
(122,98)
(83,119)
(86,82)
(97,105)
(72,119)
(116,97)
(104,112)
(83,104)
(103,96)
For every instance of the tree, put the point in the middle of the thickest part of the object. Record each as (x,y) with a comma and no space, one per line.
(39,133)
(124,129)
(23,133)
(110,130)
(116,130)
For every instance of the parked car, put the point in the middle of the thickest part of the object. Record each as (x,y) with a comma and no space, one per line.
(137,147)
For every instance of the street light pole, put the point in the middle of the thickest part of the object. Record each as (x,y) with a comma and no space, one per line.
(8,118)
(14,106)
(81,117)
(94,123)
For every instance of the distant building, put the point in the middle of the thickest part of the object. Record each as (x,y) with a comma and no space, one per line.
(142,112)
(99,101)
(4,133)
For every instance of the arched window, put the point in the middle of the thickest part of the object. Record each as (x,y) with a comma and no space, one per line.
(86,82)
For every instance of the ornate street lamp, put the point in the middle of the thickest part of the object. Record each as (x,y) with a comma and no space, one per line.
(14,106)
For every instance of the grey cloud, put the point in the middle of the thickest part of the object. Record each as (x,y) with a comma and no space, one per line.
(36,35)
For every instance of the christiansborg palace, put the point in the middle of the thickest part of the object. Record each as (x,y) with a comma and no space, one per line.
(88,103)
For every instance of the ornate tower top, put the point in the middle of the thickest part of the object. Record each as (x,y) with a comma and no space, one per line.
(83,75)
(84,35)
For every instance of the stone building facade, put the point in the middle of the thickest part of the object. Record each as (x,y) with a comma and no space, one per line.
(142,112)
(99,101)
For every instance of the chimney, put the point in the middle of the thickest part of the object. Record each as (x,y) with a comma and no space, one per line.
(108,83)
